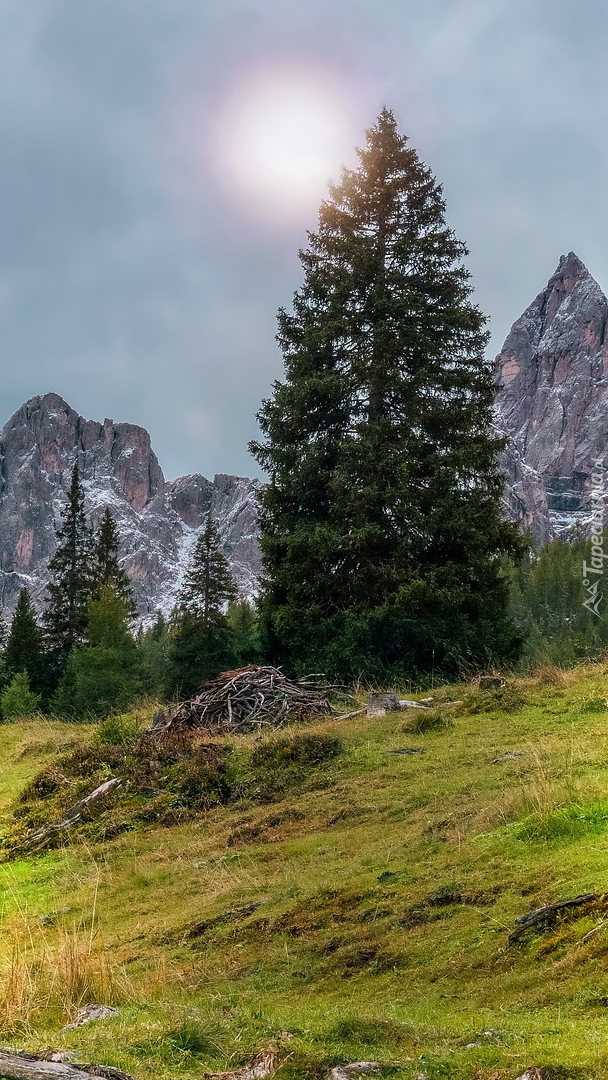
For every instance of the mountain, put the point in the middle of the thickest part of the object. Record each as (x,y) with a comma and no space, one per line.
(158,520)
(552,402)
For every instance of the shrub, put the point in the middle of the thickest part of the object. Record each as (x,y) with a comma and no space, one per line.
(202,780)
(508,698)
(301,749)
(285,762)
(118,730)
(17,701)
(433,720)
(164,781)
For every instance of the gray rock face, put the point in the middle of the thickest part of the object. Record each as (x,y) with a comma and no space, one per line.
(158,521)
(553,402)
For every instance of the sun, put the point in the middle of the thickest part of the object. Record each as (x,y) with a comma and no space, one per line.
(281,137)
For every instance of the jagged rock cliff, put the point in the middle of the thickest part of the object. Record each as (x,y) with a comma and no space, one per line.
(553,402)
(158,521)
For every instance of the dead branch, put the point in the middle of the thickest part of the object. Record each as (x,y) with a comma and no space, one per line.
(356,712)
(547,916)
(73,815)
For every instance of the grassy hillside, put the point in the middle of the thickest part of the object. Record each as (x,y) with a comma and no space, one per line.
(360,909)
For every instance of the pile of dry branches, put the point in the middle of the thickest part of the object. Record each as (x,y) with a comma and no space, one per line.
(246,700)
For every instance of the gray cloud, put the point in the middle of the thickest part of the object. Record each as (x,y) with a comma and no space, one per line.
(133,286)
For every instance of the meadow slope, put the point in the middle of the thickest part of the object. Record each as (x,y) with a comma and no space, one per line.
(360,910)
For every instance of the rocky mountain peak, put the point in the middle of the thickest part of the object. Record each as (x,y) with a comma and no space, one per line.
(158,521)
(552,401)
(48,436)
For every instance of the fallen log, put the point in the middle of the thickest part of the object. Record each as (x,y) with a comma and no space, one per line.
(15,1065)
(73,815)
(548,915)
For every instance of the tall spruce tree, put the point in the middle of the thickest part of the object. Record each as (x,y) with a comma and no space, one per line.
(380,525)
(208,584)
(24,651)
(107,569)
(24,644)
(72,570)
(203,642)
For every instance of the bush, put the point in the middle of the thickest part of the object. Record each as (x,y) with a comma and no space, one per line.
(17,701)
(507,698)
(301,749)
(283,763)
(165,781)
(433,720)
(118,730)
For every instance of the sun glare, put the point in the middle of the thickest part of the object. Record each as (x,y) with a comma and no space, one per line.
(281,138)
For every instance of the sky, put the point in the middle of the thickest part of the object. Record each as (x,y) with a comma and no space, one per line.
(161,161)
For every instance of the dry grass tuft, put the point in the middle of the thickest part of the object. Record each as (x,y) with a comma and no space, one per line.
(44,977)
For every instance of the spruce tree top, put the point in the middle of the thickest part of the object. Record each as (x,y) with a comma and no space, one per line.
(72,574)
(208,584)
(24,643)
(108,570)
(384,309)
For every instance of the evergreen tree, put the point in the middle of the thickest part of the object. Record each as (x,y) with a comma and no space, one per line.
(17,700)
(24,645)
(160,627)
(101,676)
(108,570)
(154,646)
(202,642)
(381,531)
(243,621)
(72,569)
(208,584)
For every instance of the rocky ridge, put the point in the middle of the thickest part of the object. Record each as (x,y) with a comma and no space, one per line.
(552,403)
(159,521)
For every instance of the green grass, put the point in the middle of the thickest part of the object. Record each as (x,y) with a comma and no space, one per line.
(352,906)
